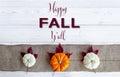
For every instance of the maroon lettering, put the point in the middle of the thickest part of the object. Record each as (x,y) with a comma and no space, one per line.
(63,23)
(58,11)
(54,23)
(58,35)
(73,23)
(41,22)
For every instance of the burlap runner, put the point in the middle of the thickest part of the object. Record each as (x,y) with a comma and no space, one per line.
(11,60)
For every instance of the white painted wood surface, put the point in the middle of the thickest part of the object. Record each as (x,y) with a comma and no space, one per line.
(69,3)
(99,21)
(63,74)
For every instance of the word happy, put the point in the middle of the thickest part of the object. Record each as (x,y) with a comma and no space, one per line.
(58,11)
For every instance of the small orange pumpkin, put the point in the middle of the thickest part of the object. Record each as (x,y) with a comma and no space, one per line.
(59,62)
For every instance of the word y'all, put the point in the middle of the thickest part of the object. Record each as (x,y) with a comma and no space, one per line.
(58,35)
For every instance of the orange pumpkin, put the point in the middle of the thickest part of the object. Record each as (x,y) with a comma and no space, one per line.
(59,62)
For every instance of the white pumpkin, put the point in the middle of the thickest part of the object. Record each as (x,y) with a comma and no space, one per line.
(29,60)
(91,61)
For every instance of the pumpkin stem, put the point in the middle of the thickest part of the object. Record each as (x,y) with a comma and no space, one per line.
(60,61)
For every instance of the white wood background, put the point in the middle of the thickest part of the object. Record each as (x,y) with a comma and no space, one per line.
(99,21)
(62,74)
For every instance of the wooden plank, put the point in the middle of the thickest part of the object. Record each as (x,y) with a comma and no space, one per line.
(84,35)
(86,16)
(59,74)
(68,3)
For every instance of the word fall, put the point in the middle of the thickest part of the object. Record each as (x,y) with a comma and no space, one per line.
(54,23)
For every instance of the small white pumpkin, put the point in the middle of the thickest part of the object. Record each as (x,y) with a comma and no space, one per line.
(29,60)
(91,61)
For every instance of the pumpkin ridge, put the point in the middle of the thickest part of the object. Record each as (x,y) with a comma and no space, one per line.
(62,68)
(63,56)
(88,62)
(56,66)
(65,62)
(57,55)
(53,60)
